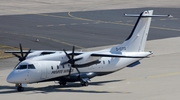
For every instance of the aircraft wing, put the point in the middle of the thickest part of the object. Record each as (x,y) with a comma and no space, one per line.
(24,51)
(92,58)
(120,55)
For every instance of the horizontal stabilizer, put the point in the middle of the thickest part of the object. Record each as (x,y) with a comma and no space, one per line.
(116,55)
(137,15)
(134,64)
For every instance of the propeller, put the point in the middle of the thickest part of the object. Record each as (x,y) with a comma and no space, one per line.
(22,57)
(71,60)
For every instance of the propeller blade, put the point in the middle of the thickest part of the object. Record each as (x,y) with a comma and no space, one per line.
(78,71)
(73,52)
(64,63)
(21,50)
(16,55)
(66,53)
(21,56)
(78,59)
(69,71)
(27,53)
(87,64)
(70,61)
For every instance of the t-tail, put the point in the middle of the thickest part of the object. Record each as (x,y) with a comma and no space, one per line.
(138,37)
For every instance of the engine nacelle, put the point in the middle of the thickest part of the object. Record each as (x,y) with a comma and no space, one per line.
(86,58)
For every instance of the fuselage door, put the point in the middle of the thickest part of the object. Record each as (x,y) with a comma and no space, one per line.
(43,70)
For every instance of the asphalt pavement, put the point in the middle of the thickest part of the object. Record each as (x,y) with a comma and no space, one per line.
(83,29)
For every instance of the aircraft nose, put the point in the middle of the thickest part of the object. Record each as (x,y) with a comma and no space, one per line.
(15,77)
(11,78)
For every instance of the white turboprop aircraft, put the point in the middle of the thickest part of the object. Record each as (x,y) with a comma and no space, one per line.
(71,66)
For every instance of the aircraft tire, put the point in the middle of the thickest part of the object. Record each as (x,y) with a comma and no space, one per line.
(62,83)
(19,89)
(84,83)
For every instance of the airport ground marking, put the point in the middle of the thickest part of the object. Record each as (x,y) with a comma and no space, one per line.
(65,24)
(100,21)
(162,19)
(47,38)
(120,22)
(62,24)
(39,25)
(156,76)
(164,75)
(174,18)
(85,23)
(73,24)
(48,15)
(50,25)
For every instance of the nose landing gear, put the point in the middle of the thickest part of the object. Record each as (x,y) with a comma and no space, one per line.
(62,83)
(19,87)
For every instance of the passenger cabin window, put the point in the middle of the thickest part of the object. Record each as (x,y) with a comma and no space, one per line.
(22,67)
(31,66)
(52,67)
(103,62)
(108,61)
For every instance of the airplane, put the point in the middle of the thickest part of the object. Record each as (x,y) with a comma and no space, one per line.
(72,66)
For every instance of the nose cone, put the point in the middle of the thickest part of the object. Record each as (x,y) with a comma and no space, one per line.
(16,77)
(10,78)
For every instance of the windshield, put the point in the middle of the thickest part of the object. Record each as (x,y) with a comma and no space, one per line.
(29,66)
(22,67)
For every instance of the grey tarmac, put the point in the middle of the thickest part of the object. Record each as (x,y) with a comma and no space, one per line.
(82,24)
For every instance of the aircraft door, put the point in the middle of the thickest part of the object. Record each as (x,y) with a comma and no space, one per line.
(33,72)
(43,71)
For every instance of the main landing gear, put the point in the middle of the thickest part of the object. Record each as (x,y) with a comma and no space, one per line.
(84,83)
(62,83)
(19,87)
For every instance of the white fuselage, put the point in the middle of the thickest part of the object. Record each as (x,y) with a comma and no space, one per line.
(49,66)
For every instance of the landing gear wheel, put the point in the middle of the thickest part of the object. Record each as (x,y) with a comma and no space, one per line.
(20,89)
(62,83)
(84,83)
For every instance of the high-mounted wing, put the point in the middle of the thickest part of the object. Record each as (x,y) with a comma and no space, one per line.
(16,51)
(21,52)
(126,55)
(116,56)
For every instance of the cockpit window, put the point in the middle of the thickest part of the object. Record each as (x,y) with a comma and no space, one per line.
(22,67)
(31,66)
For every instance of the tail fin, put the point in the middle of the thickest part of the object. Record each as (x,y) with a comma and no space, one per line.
(137,39)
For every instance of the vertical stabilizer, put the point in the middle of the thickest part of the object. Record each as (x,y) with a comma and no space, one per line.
(137,39)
